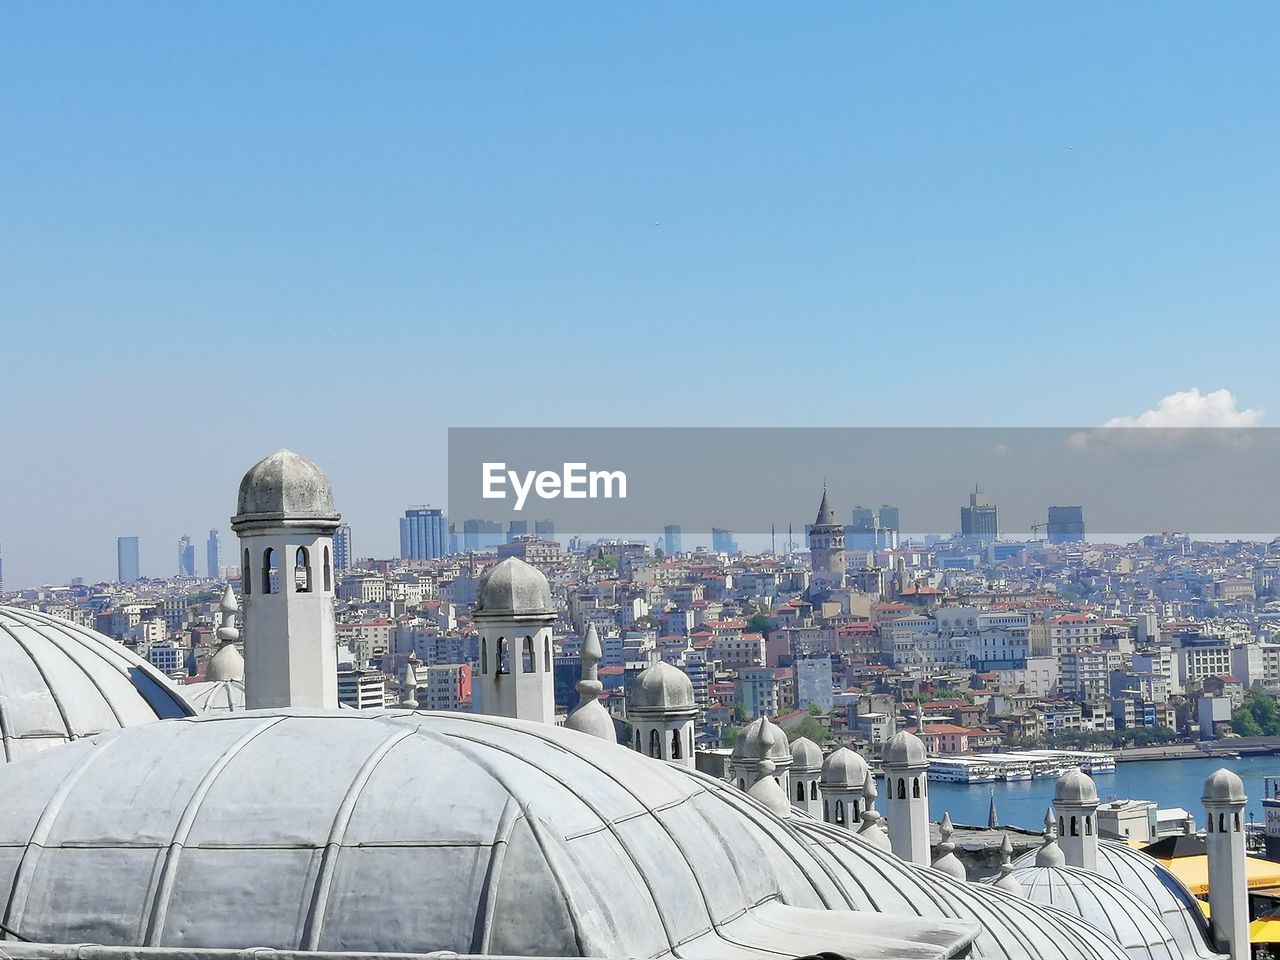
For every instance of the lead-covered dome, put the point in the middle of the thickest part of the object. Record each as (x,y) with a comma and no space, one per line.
(285,486)
(1075,786)
(60,681)
(413,833)
(844,769)
(905,749)
(661,689)
(806,755)
(1224,786)
(761,739)
(513,588)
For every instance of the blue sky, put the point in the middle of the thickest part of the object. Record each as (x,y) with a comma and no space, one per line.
(342,228)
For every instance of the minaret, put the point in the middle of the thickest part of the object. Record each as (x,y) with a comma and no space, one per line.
(661,710)
(844,777)
(1076,801)
(226,662)
(906,778)
(285,520)
(872,829)
(1007,881)
(514,613)
(590,716)
(1224,801)
(946,861)
(993,819)
(806,769)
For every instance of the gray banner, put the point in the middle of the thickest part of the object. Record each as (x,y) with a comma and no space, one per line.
(1128,481)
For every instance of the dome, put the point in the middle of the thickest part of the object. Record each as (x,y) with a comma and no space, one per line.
(659,689)
(1155,886)
(844,768)
(285,486)
(905,750)
(414,833)
(60,682)
(215,696)
(1075,787)
(1223,786)
(512,587)
(805,755)
(762,740)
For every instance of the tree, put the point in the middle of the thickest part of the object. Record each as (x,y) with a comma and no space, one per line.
(760,623)
(729,737)
(810,728)
(1258,716)
(815,710)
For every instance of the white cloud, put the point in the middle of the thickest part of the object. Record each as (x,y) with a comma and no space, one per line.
(1191,408)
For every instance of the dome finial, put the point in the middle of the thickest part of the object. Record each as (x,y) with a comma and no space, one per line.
(226,662)
(1007,881)
(872,830)
(1050,854)
(946,861)
(767,791)
(590,716)
(409,683)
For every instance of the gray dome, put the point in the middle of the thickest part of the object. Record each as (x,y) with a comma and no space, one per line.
(60,682)
(337,832)
(1224,786)
(1104,904)
(845,769)
(1147,877)
(285,486)
(905,750)
(512,587)
(762,740)
(659,689)
(805,755)
(215,696)
(1075,786)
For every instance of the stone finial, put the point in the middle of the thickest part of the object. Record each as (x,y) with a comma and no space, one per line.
(226,662)
(1050,854)
(589,716)
(767,791)
(872,829)
(946,861)
(1007,881)
(409,683)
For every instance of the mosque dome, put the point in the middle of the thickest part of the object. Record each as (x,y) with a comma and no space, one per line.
(1223,786)
(805,755)
(60,681)
(1144,875)
(1104,904)
(1075,786)
(761,739)
(905,749)
(415,833)
(215,696)
(513,588)
(661,688)
(285,486)
(844,768)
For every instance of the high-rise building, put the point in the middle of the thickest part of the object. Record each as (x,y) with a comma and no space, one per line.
(1066,524)
(517,528)
(979,520)
(186,557)
(126,559)
(342,548)
(213,554)
(480,535)
(544,529)
(423,534)
(671,540)
(722,541)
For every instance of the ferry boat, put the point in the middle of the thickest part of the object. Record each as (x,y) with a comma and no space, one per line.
(1011,767)
(961,770)
(1091,762)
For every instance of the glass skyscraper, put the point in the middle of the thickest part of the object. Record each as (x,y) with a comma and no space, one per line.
(423,534)
(126,559)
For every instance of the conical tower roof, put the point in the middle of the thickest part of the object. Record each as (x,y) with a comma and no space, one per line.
(825,517)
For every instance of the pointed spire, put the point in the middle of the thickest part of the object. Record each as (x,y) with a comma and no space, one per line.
(1007,881)
(767,791)
(1049,854)
(946,861)
(226,662)
(825,516)
(409,683)
(993,819)
(590,716)
(872,829)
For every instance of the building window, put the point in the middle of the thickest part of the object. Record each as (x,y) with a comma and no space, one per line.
(839,811)
(655,744)
(484,656)
(826,811)
(246,573)
(800,791)
(1075,827)
(915,788)
(302,571)
(503,665)
(328,572)
(528,664)
(270,582)
(902,788)
(676,751)
(813,790)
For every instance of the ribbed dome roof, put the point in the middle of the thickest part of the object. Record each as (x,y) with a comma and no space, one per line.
(661,688)
(805,755)
(1075,786)
(1224,786)
(1147,877)
(215,696)
(413,832)
(905,749)
(844,768)
(762,740)
(60,681)
(512,587)
(1104,904)
(285,485)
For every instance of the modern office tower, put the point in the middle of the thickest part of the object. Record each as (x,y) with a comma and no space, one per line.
(544,529)
(814,683)
(186,557)
(342,548)
(671,540)
(423,534)
(889,519)
(517,528)
(979,520)
(872,529)
(126,559)
(480,534)
(213,554)
(1066,524)
(722,541)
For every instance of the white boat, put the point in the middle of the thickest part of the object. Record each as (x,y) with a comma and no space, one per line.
(961,770)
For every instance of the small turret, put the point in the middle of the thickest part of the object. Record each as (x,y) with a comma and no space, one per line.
(946,861)
(590,716)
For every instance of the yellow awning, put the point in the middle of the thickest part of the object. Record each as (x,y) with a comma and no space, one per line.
(1265,930)
(1194,873)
